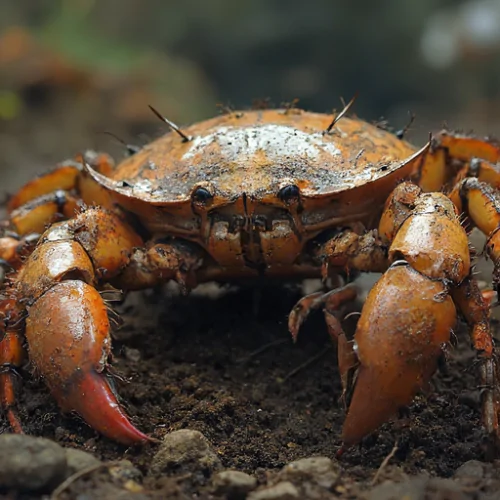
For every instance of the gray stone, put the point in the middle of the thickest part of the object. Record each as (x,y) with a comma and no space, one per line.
(281,491)
(233,484)
(419,488)
(30,464)
(125,471)
(133,355)
(78,460)
(318,470)
(445,489)
(185,450)
(472,468)
(409,490)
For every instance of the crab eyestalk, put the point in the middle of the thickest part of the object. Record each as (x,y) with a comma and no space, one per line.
(68,334)
(406,320)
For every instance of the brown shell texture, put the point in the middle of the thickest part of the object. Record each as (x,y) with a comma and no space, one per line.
(257,152)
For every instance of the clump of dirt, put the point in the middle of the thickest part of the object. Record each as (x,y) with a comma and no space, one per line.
(225,365)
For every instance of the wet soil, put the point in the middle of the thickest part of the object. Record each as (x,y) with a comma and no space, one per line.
(221,362)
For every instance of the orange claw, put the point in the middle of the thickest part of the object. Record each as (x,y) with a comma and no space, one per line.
(399,337)
(94,400)
(68,333)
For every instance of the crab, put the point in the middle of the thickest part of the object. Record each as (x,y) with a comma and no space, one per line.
(277,193)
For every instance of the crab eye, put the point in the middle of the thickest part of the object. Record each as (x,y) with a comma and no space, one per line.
(202,195)
(289,194)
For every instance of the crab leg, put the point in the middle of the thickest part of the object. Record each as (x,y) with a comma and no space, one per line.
(159,263)
(349,250)
(63,177)
(8,249)
(13,250)
(408,314)
(481,203)
(478,157)
(476,309)
(12,357)
(47,198)
(331,302)
(9,255)
(34,216)
(67,327)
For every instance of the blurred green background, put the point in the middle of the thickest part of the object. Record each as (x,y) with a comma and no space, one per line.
(72,69)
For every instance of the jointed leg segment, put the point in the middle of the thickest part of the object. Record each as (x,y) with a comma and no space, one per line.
(12,358)
(332,303)
(475,310)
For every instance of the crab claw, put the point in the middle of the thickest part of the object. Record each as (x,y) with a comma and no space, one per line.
(406,320)
(68,335)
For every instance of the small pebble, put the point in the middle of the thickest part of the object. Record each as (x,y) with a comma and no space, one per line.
(133,355)
(319,470)
(448,489)
(472,468)
(419,488)
(78,460)
(187,450)
(124,471)
(234,484)
(413,489)
(30,464)
(281,491)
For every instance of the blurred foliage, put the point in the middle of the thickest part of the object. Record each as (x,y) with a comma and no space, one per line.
(73,69)
(10,105)
(63,51)
(316,50)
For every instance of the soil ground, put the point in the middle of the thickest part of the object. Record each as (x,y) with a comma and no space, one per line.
(194,362)
(221,361)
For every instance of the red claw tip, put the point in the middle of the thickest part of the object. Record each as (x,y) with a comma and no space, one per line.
(92,398)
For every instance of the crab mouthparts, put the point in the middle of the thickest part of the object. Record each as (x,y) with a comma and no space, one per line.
(252,234)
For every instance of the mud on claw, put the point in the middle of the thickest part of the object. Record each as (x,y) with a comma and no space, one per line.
(282,194)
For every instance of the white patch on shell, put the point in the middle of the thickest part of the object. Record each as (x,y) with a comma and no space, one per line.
(144,186)
(276,141)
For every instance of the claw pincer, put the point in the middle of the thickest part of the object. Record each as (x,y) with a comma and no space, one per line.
(67,325)
(408,314)
(68,334)
(406,320)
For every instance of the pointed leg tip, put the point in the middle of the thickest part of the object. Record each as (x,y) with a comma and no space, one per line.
(126,433)
(93,399)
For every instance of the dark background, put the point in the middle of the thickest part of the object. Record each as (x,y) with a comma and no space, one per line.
(71,69)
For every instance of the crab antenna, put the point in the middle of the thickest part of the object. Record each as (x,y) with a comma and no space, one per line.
(172,125)
(132,149)
(341,114)
(400,134)
(290,106)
